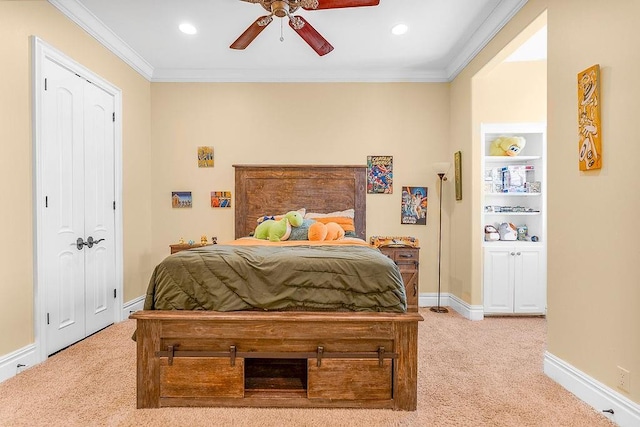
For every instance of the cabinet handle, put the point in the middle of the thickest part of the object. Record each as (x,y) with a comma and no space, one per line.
(513,253)
(518,253)
(406,255)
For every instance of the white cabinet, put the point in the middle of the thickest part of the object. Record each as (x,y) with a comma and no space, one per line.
(514,192)
(514,280)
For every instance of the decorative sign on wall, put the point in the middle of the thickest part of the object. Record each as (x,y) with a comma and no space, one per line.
(414,206)
(379,174)
(205,157)
(590,142)
(457,164)
(181,199)
(221,199)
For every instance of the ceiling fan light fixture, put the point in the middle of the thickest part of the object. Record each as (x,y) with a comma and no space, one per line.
(400,29)
(187,28)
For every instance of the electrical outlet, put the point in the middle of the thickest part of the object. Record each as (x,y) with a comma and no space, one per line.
(624,377)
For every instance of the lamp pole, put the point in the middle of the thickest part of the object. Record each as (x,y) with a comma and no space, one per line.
(439,309)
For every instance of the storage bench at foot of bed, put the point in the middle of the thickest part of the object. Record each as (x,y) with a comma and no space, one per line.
(366,360)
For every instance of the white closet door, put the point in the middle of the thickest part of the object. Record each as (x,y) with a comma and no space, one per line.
(63,216)
(99,214)
(78,183)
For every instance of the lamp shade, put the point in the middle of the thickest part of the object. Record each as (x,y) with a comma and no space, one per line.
(441,168)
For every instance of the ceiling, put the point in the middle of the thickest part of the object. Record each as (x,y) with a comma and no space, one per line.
(443,36)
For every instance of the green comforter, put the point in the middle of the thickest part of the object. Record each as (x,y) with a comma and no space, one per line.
(310,278)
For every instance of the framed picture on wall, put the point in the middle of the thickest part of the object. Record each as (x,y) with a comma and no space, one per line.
(181,199)
(590,131)
(414,206)
(380,174)
(457,165)
(221,199)
(205,157)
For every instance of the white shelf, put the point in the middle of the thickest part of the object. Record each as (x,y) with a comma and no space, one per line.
(513,194)
(509,159)
(517,243)
(511,213)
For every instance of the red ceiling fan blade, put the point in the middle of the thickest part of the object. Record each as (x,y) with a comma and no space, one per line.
(310,35)
(337,4)
(252,32)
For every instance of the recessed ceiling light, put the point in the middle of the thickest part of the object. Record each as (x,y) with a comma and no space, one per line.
(188,28)
(400,29)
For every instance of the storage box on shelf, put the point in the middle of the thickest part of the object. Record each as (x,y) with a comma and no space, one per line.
(514,192)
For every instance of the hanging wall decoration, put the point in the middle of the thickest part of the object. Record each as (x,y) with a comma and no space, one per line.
(590,137)
(457,164)
(379,174)
(181,199)
(221,199)
(414,206)
(205,157)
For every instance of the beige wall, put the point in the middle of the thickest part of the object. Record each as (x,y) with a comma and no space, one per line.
(18,21)
(294,123)
(593,292)
(594,260)
(511,92)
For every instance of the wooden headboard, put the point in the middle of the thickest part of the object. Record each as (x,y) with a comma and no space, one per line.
(275,189)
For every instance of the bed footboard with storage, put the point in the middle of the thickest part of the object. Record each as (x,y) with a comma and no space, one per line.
(277,359)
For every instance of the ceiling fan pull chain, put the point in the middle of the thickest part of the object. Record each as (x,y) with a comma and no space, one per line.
(281,31)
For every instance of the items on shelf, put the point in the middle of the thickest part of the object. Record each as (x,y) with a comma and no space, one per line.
(509,209)
(507,231)
(490,233)
(507,146)
(511,179)
(394,241)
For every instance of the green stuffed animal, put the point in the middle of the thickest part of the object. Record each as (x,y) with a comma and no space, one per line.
(276,231)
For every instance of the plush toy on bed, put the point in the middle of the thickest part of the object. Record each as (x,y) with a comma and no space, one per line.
(319,231)
(507,146)
(276,231)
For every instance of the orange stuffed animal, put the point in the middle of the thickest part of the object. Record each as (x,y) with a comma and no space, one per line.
(329,231)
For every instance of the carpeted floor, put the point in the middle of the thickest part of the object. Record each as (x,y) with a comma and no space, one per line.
(486,373)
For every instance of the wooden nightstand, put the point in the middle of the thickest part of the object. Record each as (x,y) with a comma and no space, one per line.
(184,246)
(407,258)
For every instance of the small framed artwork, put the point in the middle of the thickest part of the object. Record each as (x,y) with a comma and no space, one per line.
(181,199)
(380,174)
(414,206)
(205,157)
(457,164)
(590,137)
(221,199)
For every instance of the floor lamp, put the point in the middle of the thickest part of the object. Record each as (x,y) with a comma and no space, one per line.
(441,170)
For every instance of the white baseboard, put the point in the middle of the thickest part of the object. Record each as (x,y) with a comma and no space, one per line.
(27,356)
(595,394)
(468,311)
(132,306)
(13,363)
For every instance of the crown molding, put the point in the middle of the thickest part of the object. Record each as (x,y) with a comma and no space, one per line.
(298,76)
(92,25)
(495,21)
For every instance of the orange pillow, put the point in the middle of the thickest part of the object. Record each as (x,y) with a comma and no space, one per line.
(343,218)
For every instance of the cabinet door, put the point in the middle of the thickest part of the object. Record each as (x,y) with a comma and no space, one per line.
(498,280)
(529,286)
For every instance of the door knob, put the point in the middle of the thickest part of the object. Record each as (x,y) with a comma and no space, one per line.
(80,243)
(90,242)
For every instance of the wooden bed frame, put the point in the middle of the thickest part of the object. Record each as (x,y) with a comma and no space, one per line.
(281,359)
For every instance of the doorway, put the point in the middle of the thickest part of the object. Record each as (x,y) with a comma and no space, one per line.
(77,139)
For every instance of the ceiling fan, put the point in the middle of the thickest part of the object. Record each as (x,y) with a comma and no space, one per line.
(282,8)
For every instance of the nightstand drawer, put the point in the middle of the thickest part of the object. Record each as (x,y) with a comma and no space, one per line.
(407,260)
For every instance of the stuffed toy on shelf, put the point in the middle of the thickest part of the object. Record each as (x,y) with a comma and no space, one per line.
(507,146)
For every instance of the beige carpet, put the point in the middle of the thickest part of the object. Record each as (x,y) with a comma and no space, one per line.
(486,373)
